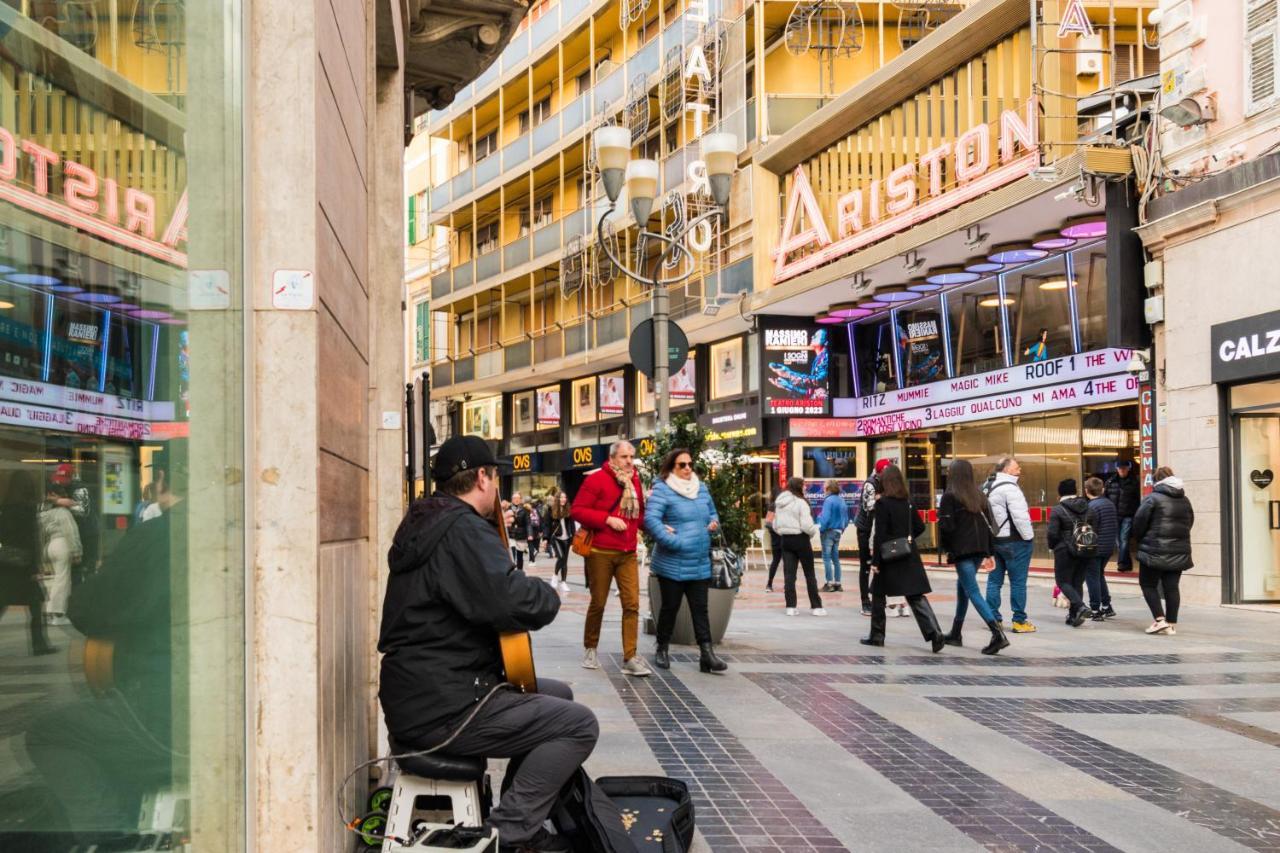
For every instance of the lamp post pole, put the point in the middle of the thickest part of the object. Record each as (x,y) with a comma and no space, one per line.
(661,354)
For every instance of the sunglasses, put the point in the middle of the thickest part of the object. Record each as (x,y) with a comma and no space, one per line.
(684,464)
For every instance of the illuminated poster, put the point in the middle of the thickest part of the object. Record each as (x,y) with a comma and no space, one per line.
(726,369)
(522,412)
(921,344)
(584,400)
(549,406)
(795,358)
(611,390)
(681,386)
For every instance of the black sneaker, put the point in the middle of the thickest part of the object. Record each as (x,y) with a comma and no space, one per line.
(826,587)
(1096,615)
(1109,612)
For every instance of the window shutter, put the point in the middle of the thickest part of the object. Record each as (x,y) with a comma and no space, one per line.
(413,220)
(1260,53)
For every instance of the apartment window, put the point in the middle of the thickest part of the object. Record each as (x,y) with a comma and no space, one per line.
(542,111)
(584,81)
(524,121)
(487,238)
(484,146)
(421,332)
(1260,53)
(542,211)
(487,332)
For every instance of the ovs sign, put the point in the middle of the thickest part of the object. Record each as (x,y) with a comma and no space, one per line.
(886,206)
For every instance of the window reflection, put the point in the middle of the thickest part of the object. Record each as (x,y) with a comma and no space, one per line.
(920,342)
(977,339)
(1040,311)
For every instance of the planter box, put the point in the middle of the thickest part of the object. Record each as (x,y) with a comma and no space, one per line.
(719,609)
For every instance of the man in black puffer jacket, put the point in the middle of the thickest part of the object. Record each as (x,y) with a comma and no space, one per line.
(1163,530)
(451,592)
(1124,491)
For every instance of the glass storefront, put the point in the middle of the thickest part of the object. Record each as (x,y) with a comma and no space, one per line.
(122,591)
(1256,453)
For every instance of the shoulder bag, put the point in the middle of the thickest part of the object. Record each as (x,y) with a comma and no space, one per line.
(585,536)
(896,549)
(726,566)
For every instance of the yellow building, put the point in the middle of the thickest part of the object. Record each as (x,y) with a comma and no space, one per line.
(531,308)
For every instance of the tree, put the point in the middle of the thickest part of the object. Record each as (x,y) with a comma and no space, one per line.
(724,469)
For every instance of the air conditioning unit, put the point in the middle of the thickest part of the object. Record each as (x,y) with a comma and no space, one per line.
(1089,63)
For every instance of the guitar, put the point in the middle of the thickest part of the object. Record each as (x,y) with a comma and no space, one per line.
(516,646)
(99,664)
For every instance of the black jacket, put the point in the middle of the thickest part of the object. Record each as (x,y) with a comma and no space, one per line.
(1125,493)
(1062,521)
(1163,528)
(519,528)
(570,528)
(452,590)
(894,519)
(965,534)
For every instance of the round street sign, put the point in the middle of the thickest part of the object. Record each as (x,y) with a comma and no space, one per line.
(641,348)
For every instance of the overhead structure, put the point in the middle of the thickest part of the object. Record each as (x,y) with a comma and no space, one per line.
(919,18)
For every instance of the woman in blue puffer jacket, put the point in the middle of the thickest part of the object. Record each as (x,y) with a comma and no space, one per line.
(680,516)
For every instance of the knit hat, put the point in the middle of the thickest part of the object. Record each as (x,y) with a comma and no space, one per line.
(1067,488)
(881,465)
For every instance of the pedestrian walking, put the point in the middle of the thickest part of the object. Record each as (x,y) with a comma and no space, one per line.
(518,532)
(896,566)
(680,516)
(1162,527)
(793,519)
(562,529)
(1015,539)
(832,521)
(866,514)
(20,557)
(965,525)
(775,544)
(544,515)
(1073,538)
(611,505)
(1108,528)
(60,550)
(535,532)
(1125,494)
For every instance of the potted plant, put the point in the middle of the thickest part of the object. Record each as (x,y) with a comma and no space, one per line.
(728,477)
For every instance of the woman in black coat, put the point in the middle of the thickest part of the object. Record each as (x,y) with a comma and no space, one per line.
(895,518)
(965,524)
(20,555)
(1163,530)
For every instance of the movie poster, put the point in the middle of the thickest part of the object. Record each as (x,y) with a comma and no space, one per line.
(921,344)
(726,369)
(522,412)
(796,359)
(549,406)
(584,400)
(611,391)
(681,387)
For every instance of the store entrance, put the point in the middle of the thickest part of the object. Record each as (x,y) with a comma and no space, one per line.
(1258,506)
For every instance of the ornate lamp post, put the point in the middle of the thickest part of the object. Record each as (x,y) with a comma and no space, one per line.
(712,174)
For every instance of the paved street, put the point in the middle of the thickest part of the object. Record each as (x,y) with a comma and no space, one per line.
(1097,738)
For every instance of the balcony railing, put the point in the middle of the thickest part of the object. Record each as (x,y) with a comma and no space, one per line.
(489,364)
(441,195)
(575,339)
(548,347)
(611,327)
(461,183)
(518,355)
(485,171)
(463,275)
(547,239)
(608,91)
(488,265)
(516,153)
(546,26)
(441,284)
(442,374)
(786,112)
(515,254)
(464,370)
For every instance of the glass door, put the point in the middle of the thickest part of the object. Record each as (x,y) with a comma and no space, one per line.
(1258,506)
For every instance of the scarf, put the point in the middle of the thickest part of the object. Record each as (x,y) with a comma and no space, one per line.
(629,506)
(685,488)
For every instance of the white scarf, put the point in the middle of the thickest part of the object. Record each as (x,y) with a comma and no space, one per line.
(685,488)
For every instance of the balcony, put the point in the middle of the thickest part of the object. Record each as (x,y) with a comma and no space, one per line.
(461,184)
(516,253)
(488,265)
(441,284)
(608,91)
(785,111)
(485,171)
(441,195)
(519,355)
(546,134)
(514,154)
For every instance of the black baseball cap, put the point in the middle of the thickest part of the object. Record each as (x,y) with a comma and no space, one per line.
(463,453)
(1124,463)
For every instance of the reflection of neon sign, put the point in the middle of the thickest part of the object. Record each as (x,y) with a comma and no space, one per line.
(91,203)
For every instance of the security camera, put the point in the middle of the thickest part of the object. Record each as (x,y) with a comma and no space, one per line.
(1138,363)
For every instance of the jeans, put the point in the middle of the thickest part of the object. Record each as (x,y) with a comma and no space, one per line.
(831,554)
(560,548)
(967,591)
(1152,582)
(1014,558)
(673,592)
(1096,579)
(603,568)
(864,566)
(796,548)
(1123,561)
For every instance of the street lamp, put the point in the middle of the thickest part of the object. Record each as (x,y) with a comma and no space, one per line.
(715,174)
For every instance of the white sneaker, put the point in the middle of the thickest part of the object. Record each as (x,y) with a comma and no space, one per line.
(564,587)
(1172,629)
(590,660)
(1158,627)
(791,611)
(636,667)
(902,611)
(819,611)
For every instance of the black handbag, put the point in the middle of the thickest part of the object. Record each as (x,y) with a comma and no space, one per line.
(726,566)
(895,549)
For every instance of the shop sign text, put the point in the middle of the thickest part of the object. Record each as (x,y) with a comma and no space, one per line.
(896,202)
(1245,349)
(79,400)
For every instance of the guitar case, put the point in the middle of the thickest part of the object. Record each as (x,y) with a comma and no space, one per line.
(625,814)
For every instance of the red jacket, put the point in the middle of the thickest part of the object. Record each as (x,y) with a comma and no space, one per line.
(597,500)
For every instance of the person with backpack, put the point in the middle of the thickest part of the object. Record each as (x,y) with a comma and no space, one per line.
(518,531)
(1015,540)
(1162,527)
(895,560)
(866,510)
(965,525)
(832,521)
(1073,538)
(1108,526)
(535,531)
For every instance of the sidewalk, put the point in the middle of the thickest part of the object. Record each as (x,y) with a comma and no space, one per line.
(1096,738)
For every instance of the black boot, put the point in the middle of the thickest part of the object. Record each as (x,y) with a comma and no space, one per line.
(661,657)
(952,637)
(998,639)
(709,662)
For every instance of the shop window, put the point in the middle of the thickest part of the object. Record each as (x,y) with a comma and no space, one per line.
(23,325)
(1040,311)
(1048,448)
(920,343)
(1107,435)
(873,353)
(977,336)
(1089,269)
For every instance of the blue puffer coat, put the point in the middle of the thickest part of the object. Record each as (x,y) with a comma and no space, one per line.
(684,555)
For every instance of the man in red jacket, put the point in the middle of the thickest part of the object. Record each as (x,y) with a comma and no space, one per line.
(611,505)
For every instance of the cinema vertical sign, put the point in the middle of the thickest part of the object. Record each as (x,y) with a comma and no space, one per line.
(983,158)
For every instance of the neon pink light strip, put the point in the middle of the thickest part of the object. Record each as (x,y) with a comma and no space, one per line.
(46,207)
(979,186)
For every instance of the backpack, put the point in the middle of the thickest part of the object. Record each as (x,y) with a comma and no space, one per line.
(1083,541)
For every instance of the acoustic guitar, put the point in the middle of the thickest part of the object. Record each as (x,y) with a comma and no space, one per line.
(99,664)
(516,646)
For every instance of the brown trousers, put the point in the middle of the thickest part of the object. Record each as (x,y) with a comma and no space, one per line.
(604,566)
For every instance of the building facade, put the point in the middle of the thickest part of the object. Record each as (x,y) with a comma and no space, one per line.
(1209,202)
